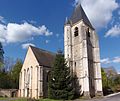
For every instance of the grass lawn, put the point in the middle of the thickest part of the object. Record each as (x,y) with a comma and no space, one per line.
(13,99)
(49,100)
(3,98)
(25,99)
(20,99)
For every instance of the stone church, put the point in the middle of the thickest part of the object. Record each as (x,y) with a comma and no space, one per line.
(81,50)
(33,80)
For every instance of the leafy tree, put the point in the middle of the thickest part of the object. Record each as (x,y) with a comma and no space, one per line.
(105,82)
(104,78)
(117,80)
(1,56)
(15,73)
(116,86)
(60,80)
(5,80)
(111,83)
(10,79)
(9,63)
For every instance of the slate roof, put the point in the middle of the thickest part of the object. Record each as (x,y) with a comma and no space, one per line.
(45,58)
(78,15)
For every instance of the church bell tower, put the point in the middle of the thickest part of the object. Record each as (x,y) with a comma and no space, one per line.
(81,48)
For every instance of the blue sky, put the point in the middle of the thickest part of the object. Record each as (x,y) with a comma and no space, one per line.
(41,23)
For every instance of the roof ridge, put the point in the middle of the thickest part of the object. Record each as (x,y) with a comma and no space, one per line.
(44,57)
(43,50)
(79,14)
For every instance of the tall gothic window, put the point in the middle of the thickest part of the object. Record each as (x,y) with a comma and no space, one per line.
(31,74)
(75,64)
(24,77)
(88,32)
(76,31)
(47,77)
(28,76)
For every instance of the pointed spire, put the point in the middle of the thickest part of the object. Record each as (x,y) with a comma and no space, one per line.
(67,21)
(78,15)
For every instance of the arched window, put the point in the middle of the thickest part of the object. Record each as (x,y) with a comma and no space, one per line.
(76,31)
(75,64)
(47,77)
(28,76)
(88,32)
(24,76)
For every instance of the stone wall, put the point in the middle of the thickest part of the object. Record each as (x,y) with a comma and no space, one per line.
(8,92)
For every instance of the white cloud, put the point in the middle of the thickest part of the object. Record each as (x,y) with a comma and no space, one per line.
(118,72)
(108,61)
(105,61)
(13,32)
(116,60)
(112,21)
(33,22)
(2,33)
(114,31)
(57,35)
(46,41)
(99,11)
(26,45)
(119,12)
(2,20)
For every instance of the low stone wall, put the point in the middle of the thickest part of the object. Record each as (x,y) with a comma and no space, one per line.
(8,92)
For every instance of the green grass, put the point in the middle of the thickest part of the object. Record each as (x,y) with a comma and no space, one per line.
(13,99)
(49,100)
(25,99)
(20,99)
(3,98)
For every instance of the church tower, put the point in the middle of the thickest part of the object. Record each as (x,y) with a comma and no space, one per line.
(81,47)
